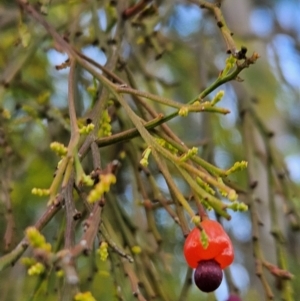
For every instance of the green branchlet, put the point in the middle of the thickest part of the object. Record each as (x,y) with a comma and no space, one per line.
(191,152)
(167,145)
(145,156)
(103,186)
(59,148)
(103,251)
(205,186)
(207,206)
(231,195)
(238,166)
(81,177)
(230,63)
(86,296)
(237,206)
(217,97)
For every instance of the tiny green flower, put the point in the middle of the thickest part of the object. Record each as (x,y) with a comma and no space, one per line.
(87,296)
(217,97)
(36,269)
(145,157)
(28,261)
(237,206)
(183,111)
(103,186)
(87,180)
(59,148)
(36,239)
(136,250)
(103,251)
(40,192)
(190,153)
(237,167)
(196,219)
(85,130)
(230,63)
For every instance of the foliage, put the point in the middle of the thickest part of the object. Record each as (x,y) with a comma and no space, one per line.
(115,138)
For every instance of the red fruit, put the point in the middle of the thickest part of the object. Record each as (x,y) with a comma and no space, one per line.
(219,245)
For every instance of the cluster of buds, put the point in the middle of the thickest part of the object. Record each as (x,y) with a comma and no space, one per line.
(86,129)
(105,181)
(190,153)
(86,296)
(103,251)
(59,148)
(37,240)
(237,167)
(40,191)
(105,126)
(167,145)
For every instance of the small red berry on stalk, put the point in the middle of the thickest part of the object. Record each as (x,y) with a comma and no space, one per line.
(208,262)
(234,298)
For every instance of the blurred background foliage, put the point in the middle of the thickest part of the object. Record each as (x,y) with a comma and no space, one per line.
(173,49)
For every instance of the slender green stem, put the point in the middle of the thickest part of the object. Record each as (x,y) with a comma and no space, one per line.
(215,203)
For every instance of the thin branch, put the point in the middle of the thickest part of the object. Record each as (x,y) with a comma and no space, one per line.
(10,258)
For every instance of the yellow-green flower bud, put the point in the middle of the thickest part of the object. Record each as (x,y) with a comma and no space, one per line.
(40,192)
(191,152)
(230,63)
(87,180)
(59,148)
(36,269)
(218,97)
(232,195)
(183,111)
(60,273)
(237,167)
(205,186)
(145,156)
(104,125)
(103,251)
(87,296)
(136,250)
(196,219)
(236,206)
(36,239)
(85,130)
(27,261)
(103,186)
